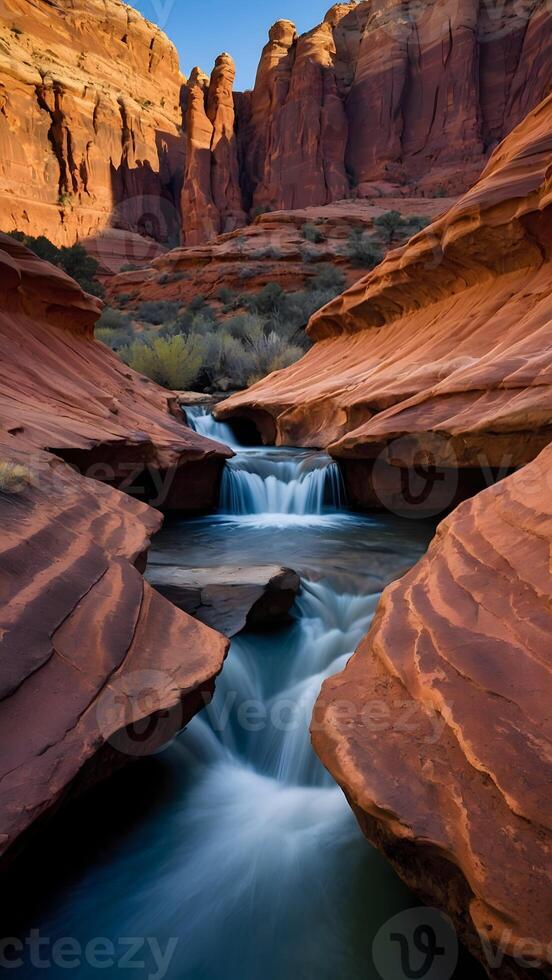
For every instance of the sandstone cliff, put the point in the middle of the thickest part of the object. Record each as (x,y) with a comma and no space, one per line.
(90,123)
(438,729)
(442,354)
(382,94)
(87,648)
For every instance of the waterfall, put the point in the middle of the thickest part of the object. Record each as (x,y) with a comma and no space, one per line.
(251,859)
(281,482)
(200,419)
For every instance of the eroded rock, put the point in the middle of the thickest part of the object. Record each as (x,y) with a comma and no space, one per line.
(230,597)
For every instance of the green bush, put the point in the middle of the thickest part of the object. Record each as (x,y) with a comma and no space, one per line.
(389,225)
(312,234)
(363,251)
(330,278)
(157,311)
(309,255)
(114,329)
(270,299)
(73,259)
(174,362)
(417,223)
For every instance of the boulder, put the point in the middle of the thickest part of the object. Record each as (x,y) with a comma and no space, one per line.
(230,597)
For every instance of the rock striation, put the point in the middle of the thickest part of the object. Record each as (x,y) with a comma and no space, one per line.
(90,123)
(441,355)
(271,249)
(95,666)
(438,730)
(382,95)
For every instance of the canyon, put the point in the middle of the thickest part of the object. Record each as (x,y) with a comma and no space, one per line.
(439,361)
(80,628)
(104,141)
(428,378)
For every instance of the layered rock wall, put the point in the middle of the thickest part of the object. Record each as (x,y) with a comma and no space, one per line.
(441,355)
(90,122)
(438,729)
(382,93)
(95,666)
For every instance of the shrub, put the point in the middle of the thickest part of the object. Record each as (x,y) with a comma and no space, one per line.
(268,300)
(226,295)
(73,259)
(312,234)
(268,253)
(246,272)
(130,267)
(329,277)
(14,477)
(198,303)
(174,362)
(417,223)
(157,311)
(163,279)
(389,225)
(309,255)
(363,251)
(244,326)
(114,329)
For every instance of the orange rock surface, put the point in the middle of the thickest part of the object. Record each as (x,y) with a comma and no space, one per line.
(439,731)
(61,389)
(78,625)
(89,122)
(442,353)
(382,95)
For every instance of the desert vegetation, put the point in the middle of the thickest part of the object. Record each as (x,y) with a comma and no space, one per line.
(73,259)
(14,477)
(219,346)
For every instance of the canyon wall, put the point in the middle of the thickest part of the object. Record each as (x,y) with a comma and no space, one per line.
(438,729)
(441,355)
(90,124)
(382,95)
(92,659)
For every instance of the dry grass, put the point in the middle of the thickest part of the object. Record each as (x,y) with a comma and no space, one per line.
(14,477)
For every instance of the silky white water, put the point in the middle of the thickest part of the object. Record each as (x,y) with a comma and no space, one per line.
(253,862)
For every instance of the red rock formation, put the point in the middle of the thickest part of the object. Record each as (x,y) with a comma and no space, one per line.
(87,649)
(91,657)
(211,195)
(271,249)
(442,353)
(63,390)
(408,94)
(438,729)
(89,121)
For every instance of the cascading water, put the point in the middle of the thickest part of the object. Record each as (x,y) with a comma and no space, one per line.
(200,419)
(253,866)
(278,482)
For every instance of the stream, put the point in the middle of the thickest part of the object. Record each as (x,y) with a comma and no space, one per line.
(233,854)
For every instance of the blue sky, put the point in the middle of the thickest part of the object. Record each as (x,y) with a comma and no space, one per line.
(203,28)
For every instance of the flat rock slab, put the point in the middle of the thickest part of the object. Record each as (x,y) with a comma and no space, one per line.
(231,597)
